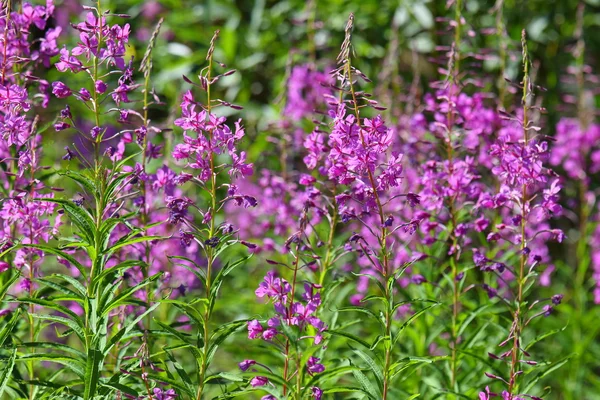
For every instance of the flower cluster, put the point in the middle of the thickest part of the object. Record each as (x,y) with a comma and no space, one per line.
(289,314)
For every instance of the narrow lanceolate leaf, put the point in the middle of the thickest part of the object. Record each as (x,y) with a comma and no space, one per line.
(222,333)
(74,364)
(7,285)
(51,250)
(110,273)
(412,318)
(53,305)
(373,365)
(349,336)
(53,346)
(329,374)
(364,311)
(7,371)
(74,282)
(183,375)
(92,373)
(115,184)
(123,297)
(128,328)
(7,329)
(121,388)
(64,321)
(226,270)
(370,389)
(82,219)
(86,182)
(59,287)
(342,389)
(120,244)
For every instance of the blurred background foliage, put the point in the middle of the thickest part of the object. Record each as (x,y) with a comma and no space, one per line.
(262,39)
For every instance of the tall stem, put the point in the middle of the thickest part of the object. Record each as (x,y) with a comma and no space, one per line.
(454,240)
(382,242)
(286,365)
(517,326)
(211,233)
(146,67)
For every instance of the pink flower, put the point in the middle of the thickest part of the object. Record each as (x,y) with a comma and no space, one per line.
(258,381)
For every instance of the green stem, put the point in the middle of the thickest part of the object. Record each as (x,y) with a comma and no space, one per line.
(209,250)
(517,326)
(286,365)
(382,243)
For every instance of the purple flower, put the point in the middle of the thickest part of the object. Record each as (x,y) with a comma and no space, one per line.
(61,126)
(313,366)
(4,266)
(159,394)
(60,90)
(557,299)
(255,329)
(100,86)
(244,365)
(316,392)
(85,94)
(258,381)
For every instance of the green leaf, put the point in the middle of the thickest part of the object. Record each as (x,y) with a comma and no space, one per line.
(127,328)
(73,363)
(59,287)
(7,371)
(412,318)
(7,329)
(172,382)
(123,296)
(328,374)
(377,371)
(87,183)
(95,359)
(74,282)
(54,346)
(80,217)
(121,388)
(367,385)
(4,288)
(222,333)
(195,269)
(61,254)
(543,336)
(223,272)
(120,244)
(342,389)
(185,378)
(184,337)
(108,272)
(349,336)
(53,305)
(64,321)
(222,377)
(364,311)
(553,367)
(113,187)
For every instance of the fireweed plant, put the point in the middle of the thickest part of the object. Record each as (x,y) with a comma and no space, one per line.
(527,197)
(365,253)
